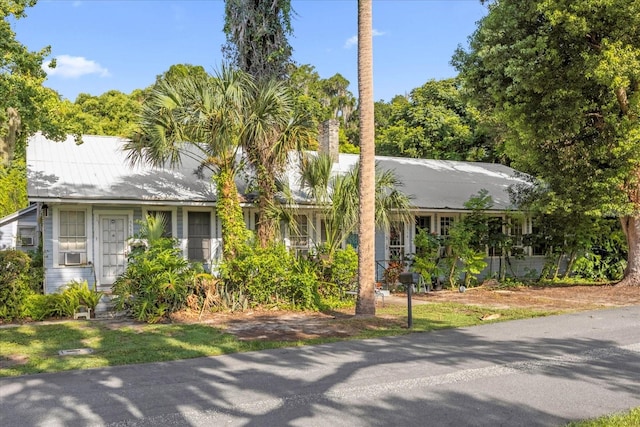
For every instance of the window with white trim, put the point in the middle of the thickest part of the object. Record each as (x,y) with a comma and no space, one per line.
(516,232)
(424,223)
(299,235)
(72,237)
(446,222)
(396,240)
(199,236)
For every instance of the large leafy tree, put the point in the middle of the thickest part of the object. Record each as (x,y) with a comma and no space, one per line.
(25,105)
(257,36)
(433,122)
(564,77)
(112,113)
(365,304)
(326,99)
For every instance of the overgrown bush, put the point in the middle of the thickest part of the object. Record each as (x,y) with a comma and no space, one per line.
(156,282)
(271,276)
(343,270)
(14,283)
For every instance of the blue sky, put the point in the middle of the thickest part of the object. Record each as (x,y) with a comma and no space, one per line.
(124,44)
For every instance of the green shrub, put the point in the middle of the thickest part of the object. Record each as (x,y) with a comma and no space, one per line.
(14,283)
(80,291)
(39,307)
(156,282)
(271,276)
(338,275)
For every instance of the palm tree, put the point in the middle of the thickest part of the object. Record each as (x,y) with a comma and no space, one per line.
(337,196)
(365,305)
(202,117)
(272,128)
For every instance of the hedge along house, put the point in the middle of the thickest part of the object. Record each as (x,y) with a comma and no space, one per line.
(90,200)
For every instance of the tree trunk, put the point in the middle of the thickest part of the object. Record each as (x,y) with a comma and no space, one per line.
(8,141)
(631,228)
(234,230)
(266,227)
(365,305)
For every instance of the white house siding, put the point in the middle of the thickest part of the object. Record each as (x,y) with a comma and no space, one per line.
(14,226)
(8,235)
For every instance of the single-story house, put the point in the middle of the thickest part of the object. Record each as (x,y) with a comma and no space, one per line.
(90,199)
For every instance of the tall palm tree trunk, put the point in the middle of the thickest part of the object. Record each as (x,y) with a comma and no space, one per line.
(365,305)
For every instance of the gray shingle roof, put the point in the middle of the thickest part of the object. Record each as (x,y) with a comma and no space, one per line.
(98,170)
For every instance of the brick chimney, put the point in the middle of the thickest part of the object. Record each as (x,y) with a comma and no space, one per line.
(328,138)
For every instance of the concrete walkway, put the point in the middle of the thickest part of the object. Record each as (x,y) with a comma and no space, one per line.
(534,372)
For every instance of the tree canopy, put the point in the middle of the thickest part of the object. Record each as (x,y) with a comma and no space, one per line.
(435,122)
(564,78)
(25,105)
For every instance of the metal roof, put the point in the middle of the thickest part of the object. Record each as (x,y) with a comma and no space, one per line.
(98,171)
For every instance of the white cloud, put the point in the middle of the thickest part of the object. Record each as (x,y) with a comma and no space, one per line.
(74,66)
(353,41)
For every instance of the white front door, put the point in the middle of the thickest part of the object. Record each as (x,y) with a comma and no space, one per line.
(113,256)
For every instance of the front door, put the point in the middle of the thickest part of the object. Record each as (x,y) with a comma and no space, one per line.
(113,256)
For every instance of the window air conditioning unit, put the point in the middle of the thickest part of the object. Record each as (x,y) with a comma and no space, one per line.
(72,258)
(26,241)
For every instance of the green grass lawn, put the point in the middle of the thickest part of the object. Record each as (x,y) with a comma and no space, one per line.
(34,347)
(628,419)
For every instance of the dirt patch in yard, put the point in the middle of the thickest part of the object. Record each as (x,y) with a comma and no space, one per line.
(283,325)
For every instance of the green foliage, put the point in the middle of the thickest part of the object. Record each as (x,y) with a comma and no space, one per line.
(426,260)
(111,113)
(604,256)
(324,99)
(465,244)
(14,283)
(562,76)
(80,291)
(156,282)
(271,276)
(338,273)
(13,181)
(434,122)
(338,197)
(25,105)
(39,307)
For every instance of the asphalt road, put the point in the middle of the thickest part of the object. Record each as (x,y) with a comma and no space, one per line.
(537,372)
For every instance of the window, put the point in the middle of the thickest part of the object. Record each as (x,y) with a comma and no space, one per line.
(396,241)
(26,236)
(72,237)
(199,236)
(446,222)
(517,227)
(424,223)
(299,235)
(537,240)
(167,221)
(494,227)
